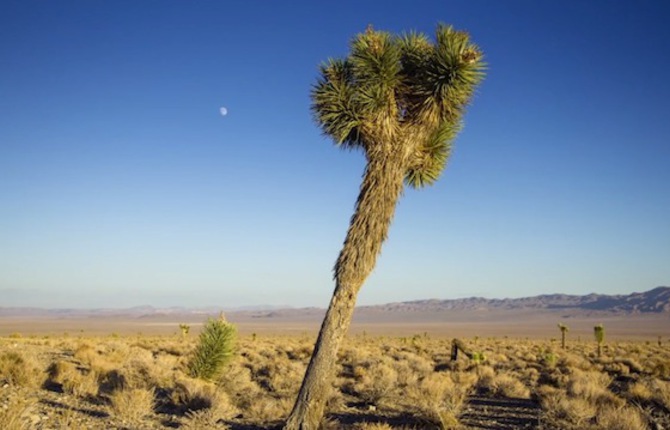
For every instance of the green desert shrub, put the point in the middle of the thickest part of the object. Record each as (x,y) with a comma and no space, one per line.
(215,348)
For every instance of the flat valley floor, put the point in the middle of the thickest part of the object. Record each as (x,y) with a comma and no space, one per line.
(530,324)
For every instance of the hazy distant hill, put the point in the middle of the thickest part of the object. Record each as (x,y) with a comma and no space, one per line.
(656,300)
(652,301)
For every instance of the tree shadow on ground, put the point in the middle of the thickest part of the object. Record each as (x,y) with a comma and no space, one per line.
(488,413)
(90,412)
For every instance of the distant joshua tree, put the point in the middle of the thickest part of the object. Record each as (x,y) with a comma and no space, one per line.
(399,99)
(599,333)
(184,328)
(564,331)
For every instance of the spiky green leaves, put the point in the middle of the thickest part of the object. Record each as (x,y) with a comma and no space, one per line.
(455,72)
(400,91)
(431,155)
(216,346)
(375,60)
(334,103)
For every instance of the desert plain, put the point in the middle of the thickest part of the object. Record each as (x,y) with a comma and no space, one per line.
(102,370)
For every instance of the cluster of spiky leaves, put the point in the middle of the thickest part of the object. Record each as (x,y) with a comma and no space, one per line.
(404,91)
(215,348)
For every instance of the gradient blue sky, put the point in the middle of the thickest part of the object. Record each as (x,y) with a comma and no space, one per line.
(121,184)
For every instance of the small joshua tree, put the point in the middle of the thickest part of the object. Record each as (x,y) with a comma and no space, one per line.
(599,333)
(185,328)
(215,348)
(459,345)
(564,330)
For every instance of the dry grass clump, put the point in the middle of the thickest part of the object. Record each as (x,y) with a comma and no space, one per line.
(571,360)
(255,403)
(20,369)
(620,418)
(568,413)
(375,381)
(588,402)
(661,391)
(268,409)
(411,366)
(438,399)
(279,376)
(503,385)
(594,387)
(87,354)
(66,376)
(194,395)
(131,405)
(651,391)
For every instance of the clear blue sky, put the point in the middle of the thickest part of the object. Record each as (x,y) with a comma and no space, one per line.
(121,184)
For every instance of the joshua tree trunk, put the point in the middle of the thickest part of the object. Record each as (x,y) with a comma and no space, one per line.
(381,188)
(562,339)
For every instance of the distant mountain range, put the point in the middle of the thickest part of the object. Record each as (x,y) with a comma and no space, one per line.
(656,300)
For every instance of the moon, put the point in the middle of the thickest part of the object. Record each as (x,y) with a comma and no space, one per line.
(223,111)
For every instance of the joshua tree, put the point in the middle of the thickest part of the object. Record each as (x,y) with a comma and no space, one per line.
(458,345)
(400,100)
(599,333)
(185,328)
(564,331)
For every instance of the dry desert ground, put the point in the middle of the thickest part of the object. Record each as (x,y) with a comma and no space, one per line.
(118,373)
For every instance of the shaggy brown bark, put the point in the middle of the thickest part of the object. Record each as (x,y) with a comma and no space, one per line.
(381,188)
